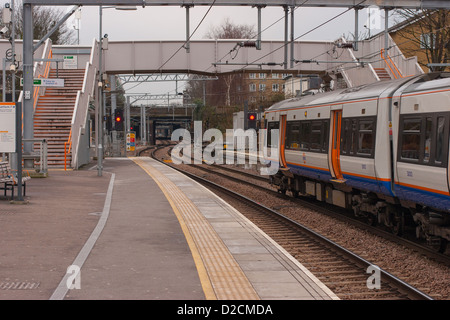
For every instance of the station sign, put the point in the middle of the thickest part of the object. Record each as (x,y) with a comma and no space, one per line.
(131,141)
(45,82)
(70,62)
(7,127)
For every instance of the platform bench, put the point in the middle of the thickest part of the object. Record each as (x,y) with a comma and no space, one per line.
(8,180)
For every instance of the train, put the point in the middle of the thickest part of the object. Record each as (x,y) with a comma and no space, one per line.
(380,150)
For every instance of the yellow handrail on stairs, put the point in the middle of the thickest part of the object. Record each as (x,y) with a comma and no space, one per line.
(389,65)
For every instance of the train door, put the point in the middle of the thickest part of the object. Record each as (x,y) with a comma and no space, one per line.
(335,145)
(282,141)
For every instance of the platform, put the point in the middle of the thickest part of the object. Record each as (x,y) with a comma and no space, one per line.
(142,231)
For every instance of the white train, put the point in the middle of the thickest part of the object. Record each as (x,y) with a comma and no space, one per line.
(380,149)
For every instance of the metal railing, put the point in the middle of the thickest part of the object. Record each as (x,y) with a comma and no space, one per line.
(357,73)
(390,64)
(42,70)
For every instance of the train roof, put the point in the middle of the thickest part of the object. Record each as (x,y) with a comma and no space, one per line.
(373,90)
(431,81)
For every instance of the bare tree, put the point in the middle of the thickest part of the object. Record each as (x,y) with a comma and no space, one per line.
(44,18)
(426,31)
(229,30)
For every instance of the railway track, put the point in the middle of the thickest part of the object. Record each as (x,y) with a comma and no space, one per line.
(347,274)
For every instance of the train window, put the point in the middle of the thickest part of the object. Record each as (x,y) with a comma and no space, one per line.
(366,138)
(354,139)
(305,131)
(344,136)
(272,142)
(316,136)
(325,137)
(358,136)
(293,135)
(439,139)
(424,138)
(411,138)
(308,135)
(427,145)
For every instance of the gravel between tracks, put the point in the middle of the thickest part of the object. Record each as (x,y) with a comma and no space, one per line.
(428,276)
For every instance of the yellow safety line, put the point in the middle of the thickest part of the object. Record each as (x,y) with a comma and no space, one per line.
(202,273)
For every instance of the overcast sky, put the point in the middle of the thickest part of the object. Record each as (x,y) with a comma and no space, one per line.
(169,23)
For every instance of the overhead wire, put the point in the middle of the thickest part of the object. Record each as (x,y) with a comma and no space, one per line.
(237,47)
(375,53)
(195,30)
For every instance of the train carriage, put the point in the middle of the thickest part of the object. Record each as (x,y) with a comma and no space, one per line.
(380,149)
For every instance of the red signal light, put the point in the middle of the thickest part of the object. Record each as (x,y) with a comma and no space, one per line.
(251,117)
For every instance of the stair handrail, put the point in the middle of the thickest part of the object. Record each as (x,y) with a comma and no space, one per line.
(68,142)
(81,108)
(42,72)
(390,63)
(360,73)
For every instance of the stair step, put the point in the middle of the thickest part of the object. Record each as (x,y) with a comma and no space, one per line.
(382,74)
(47,126)
(54,112)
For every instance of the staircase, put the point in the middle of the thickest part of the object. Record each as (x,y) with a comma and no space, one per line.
(382,74)
(53,114)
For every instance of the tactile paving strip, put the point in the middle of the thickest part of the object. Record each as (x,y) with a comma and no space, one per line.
(226,279)
(19,285)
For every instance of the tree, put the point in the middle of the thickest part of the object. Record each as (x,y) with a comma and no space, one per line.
(425,34)
(44,18)
(228,30)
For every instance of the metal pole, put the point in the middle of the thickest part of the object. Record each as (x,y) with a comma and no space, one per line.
(100,102)
(128,114)
(292,37)
(386,31)
(258,41)
(355,39)
(19,150)
(245,114)
(204,92)
(112,81)
(27,103)
(13,52)
(4,82)
(141,127)
(187,46)
(144,126)
(104,130)
(286,30)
